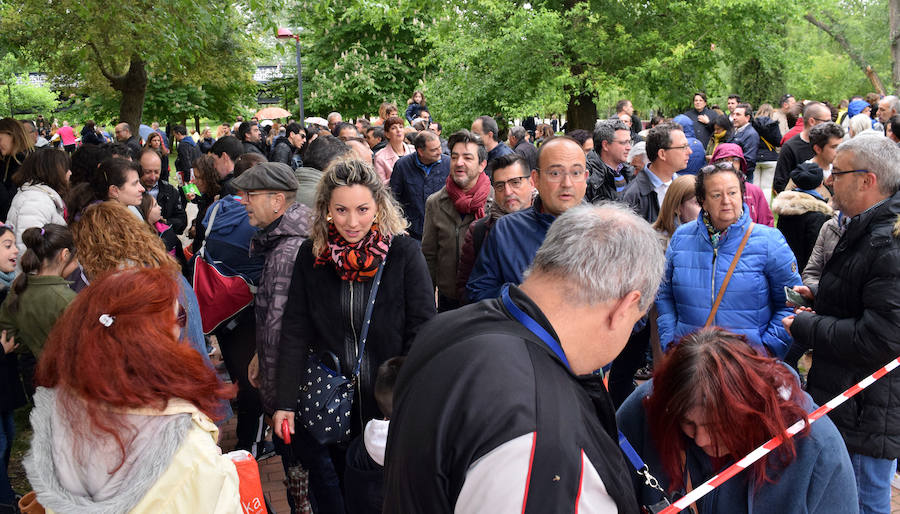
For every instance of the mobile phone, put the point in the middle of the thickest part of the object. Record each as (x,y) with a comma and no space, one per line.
(796,298)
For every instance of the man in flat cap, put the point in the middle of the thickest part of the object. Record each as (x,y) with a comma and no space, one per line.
(268,193)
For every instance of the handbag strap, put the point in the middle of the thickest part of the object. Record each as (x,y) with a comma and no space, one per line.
(364,334)
(734,261)
(212,219)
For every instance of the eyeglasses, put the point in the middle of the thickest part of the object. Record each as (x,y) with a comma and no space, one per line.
(835,173)
(557,175)
(682,147)
(256,193)
(514,182)
(181,319)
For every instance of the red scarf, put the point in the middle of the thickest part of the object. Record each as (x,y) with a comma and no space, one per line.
(473,200)
(355,261)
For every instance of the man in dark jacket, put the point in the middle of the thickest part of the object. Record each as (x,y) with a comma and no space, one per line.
(487,128)
(225,151)
(668,151)
(287,148)
(417,176)
(511,244)
(249,135)
(125,136)
(502,395)
(608,162)
(854,327)
(797,149)
(745,136)
(187,152)
(169,199)
(520,145)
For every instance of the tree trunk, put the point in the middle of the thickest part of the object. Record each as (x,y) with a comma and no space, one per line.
(581,112)
(852,52)
(895,45)
(197,124)
(133,86)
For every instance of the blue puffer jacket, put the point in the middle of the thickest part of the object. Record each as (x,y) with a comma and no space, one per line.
(754,302)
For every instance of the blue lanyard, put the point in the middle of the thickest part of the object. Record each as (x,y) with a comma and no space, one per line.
(533,326)
(545,336)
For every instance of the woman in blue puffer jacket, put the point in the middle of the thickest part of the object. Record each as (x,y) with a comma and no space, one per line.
(698,259)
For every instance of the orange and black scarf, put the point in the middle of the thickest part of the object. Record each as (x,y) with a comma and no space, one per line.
(355,261)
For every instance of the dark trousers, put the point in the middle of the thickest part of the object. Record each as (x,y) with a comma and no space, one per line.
(325,465)
(363,481)
(237,340)
(621,376)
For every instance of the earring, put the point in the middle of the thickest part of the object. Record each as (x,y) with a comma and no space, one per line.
(328,218)
(375,218)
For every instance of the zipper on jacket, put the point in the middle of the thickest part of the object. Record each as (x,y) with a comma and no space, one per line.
(712,292)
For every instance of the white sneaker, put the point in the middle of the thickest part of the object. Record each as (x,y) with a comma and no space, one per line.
(895,482)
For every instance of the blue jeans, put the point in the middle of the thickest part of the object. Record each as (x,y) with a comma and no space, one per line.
(7,433)
(873,480)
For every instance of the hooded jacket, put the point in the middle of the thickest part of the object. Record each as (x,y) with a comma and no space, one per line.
(173,464)
(697,159)
(753,303)
(753,195)
(278,246)
(228,244)
(800,217)
(34,205)
(855,328)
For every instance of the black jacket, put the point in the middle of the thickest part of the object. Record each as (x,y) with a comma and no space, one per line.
(528,152)
(794,152)
(702,131)
(252,148)
(855,329)
(474,382)
(640,195)
(325,313)
(172,204)
(601,183)
(286,153)
(187,153)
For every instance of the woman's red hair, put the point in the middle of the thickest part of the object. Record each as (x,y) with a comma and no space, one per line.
(135,362)
(742,394)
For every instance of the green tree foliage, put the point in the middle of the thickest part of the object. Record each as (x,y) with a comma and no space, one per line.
(98,47)
(17,95)
(359,53)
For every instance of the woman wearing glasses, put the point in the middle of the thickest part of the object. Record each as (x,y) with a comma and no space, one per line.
(725,247)
(123,417)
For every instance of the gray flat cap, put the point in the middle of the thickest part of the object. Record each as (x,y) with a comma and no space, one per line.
(273,176)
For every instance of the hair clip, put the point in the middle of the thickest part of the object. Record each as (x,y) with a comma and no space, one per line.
(42,231)
(107,320)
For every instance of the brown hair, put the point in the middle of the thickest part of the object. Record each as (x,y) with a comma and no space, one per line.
(20,139)
(109,237)
(681,189)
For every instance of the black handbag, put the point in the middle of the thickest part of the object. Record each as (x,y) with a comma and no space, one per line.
(326,395)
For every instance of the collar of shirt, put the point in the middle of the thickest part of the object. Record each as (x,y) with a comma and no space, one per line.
(427,167)
(154,191)
(658,185)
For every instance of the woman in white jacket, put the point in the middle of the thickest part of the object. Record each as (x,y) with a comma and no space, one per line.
(43,180)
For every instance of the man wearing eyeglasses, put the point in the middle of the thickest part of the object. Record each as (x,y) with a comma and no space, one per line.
(797,149)
(668,151)
(513,192)
(854,324)
(510,246)
(608,161)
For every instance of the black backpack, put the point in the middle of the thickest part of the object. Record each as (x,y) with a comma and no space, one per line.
(768,130)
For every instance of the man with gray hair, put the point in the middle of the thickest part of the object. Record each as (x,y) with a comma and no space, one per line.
(333,119)
(503,392)
(608,161)
(888,107)
(518,140)
(854,325)
(487,128)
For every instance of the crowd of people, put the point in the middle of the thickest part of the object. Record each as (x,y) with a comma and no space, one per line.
(505,319)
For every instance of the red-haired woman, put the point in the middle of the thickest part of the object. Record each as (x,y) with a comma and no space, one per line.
(123,417)
(713,400)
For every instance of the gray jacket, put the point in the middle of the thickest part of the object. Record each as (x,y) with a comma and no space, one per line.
(829,235)
(279,247)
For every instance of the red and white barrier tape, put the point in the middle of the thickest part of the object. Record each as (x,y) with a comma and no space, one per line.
(773,443)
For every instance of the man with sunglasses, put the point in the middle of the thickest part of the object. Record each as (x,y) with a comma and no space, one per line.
(797,149)
(510,246)
(854,324)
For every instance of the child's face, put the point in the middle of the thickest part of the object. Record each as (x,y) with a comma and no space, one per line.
(8,252)
(155,213)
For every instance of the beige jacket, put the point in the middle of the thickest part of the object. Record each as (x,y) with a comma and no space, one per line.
(442,240)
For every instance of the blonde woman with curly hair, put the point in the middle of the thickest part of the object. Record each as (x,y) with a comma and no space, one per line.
(109,238)
(357,227)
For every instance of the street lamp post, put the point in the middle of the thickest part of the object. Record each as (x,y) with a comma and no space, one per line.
(284,33)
